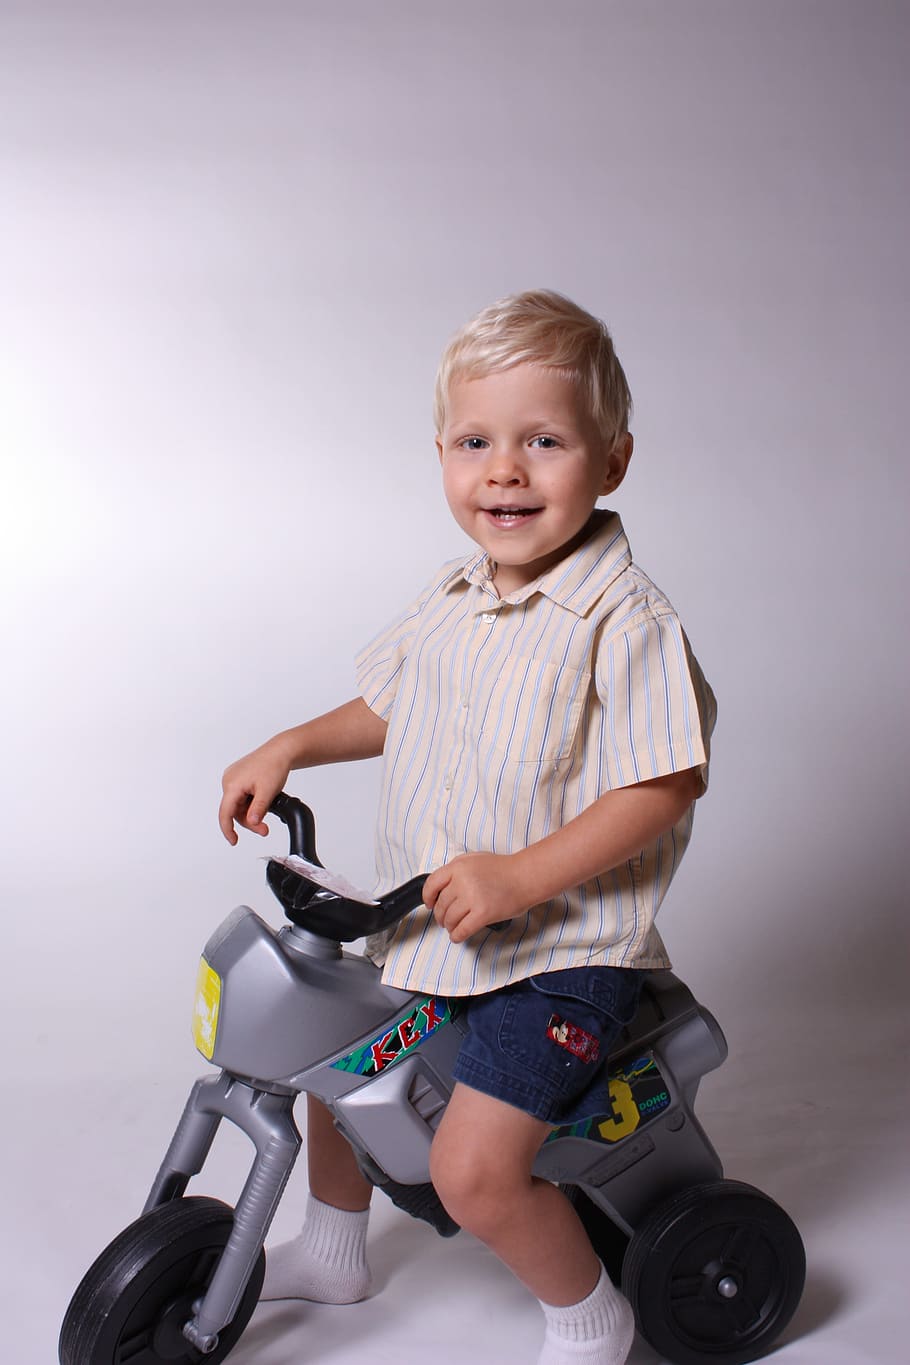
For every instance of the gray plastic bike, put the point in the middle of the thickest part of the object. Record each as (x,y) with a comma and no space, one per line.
(714,1269)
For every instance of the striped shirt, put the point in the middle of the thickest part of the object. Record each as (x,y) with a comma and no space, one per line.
(506,718)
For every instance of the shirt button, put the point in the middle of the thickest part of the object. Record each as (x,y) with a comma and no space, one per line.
(488,618)
(447,782)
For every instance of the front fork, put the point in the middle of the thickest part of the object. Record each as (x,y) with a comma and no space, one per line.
(268,1120)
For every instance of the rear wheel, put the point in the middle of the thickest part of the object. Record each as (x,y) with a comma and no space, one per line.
(714,1274)
(133,1302)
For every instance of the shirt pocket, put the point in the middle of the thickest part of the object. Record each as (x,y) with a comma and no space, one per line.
(534,710)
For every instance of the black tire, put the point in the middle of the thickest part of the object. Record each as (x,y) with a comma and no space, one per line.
(132,1303)
(714,1274)
(609,1242)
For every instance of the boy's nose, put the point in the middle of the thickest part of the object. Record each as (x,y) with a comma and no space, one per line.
(505,466)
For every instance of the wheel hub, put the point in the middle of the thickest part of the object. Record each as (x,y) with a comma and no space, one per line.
(168,1339)
(721,1280)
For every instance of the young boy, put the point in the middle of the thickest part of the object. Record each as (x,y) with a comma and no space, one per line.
(544,731)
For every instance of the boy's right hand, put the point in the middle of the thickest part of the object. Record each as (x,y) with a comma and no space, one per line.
(250,786)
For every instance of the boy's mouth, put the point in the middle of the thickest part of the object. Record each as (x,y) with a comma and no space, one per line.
(511,516)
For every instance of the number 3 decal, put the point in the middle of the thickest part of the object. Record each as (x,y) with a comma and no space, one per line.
(624,1118)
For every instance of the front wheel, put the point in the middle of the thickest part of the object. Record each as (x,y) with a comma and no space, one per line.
(714,1274)
(133,1302)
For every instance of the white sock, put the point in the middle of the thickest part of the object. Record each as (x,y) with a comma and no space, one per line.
(326,1263)
(597,1331)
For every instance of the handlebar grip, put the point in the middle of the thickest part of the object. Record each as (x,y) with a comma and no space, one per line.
(334,917)
(301,826)
(323,912)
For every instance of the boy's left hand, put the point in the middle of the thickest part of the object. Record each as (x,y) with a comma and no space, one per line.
(472,892)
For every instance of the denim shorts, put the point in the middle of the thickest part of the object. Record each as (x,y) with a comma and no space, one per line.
(542,1044)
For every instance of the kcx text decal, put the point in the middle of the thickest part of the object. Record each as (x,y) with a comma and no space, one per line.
(400,1039)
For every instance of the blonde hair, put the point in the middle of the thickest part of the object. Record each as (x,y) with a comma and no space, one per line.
(540,327)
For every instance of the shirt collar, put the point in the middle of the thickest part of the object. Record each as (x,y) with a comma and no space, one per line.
(576,582)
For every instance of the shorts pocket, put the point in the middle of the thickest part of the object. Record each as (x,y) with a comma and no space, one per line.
(613,991)
(560,1026)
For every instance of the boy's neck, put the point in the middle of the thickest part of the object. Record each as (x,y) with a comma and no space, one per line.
(508,579)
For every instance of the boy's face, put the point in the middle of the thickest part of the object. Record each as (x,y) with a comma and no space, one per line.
(522,467)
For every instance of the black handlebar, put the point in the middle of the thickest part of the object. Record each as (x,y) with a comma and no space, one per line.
(301,826)
(324,912)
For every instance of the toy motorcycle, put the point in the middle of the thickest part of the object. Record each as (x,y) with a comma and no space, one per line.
(714,1269)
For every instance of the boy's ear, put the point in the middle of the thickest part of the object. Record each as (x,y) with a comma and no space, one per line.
(439,447)
(617,464)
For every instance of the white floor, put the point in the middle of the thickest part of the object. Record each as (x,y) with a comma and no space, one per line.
(821,1127)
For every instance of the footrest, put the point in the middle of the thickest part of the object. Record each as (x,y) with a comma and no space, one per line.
(421,1201)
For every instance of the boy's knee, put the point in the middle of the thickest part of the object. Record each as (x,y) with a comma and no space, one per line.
(472,1183)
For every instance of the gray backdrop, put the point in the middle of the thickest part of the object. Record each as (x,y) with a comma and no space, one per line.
(235,239)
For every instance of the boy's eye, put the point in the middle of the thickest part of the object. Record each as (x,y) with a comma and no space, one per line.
(473,443)
(544,442)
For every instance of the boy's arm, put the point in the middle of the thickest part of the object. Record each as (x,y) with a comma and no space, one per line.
(251,784)
(478,889)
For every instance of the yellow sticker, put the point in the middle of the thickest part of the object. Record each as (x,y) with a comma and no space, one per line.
(625,1117)
(205,1011)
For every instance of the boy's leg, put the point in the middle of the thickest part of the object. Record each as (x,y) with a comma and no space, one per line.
(327,1261)
(481,1166)
(332,1169)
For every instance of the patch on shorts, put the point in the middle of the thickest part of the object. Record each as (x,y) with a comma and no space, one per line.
(573,1038)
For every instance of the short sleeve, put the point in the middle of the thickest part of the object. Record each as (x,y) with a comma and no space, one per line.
(658,710)
(379,664)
